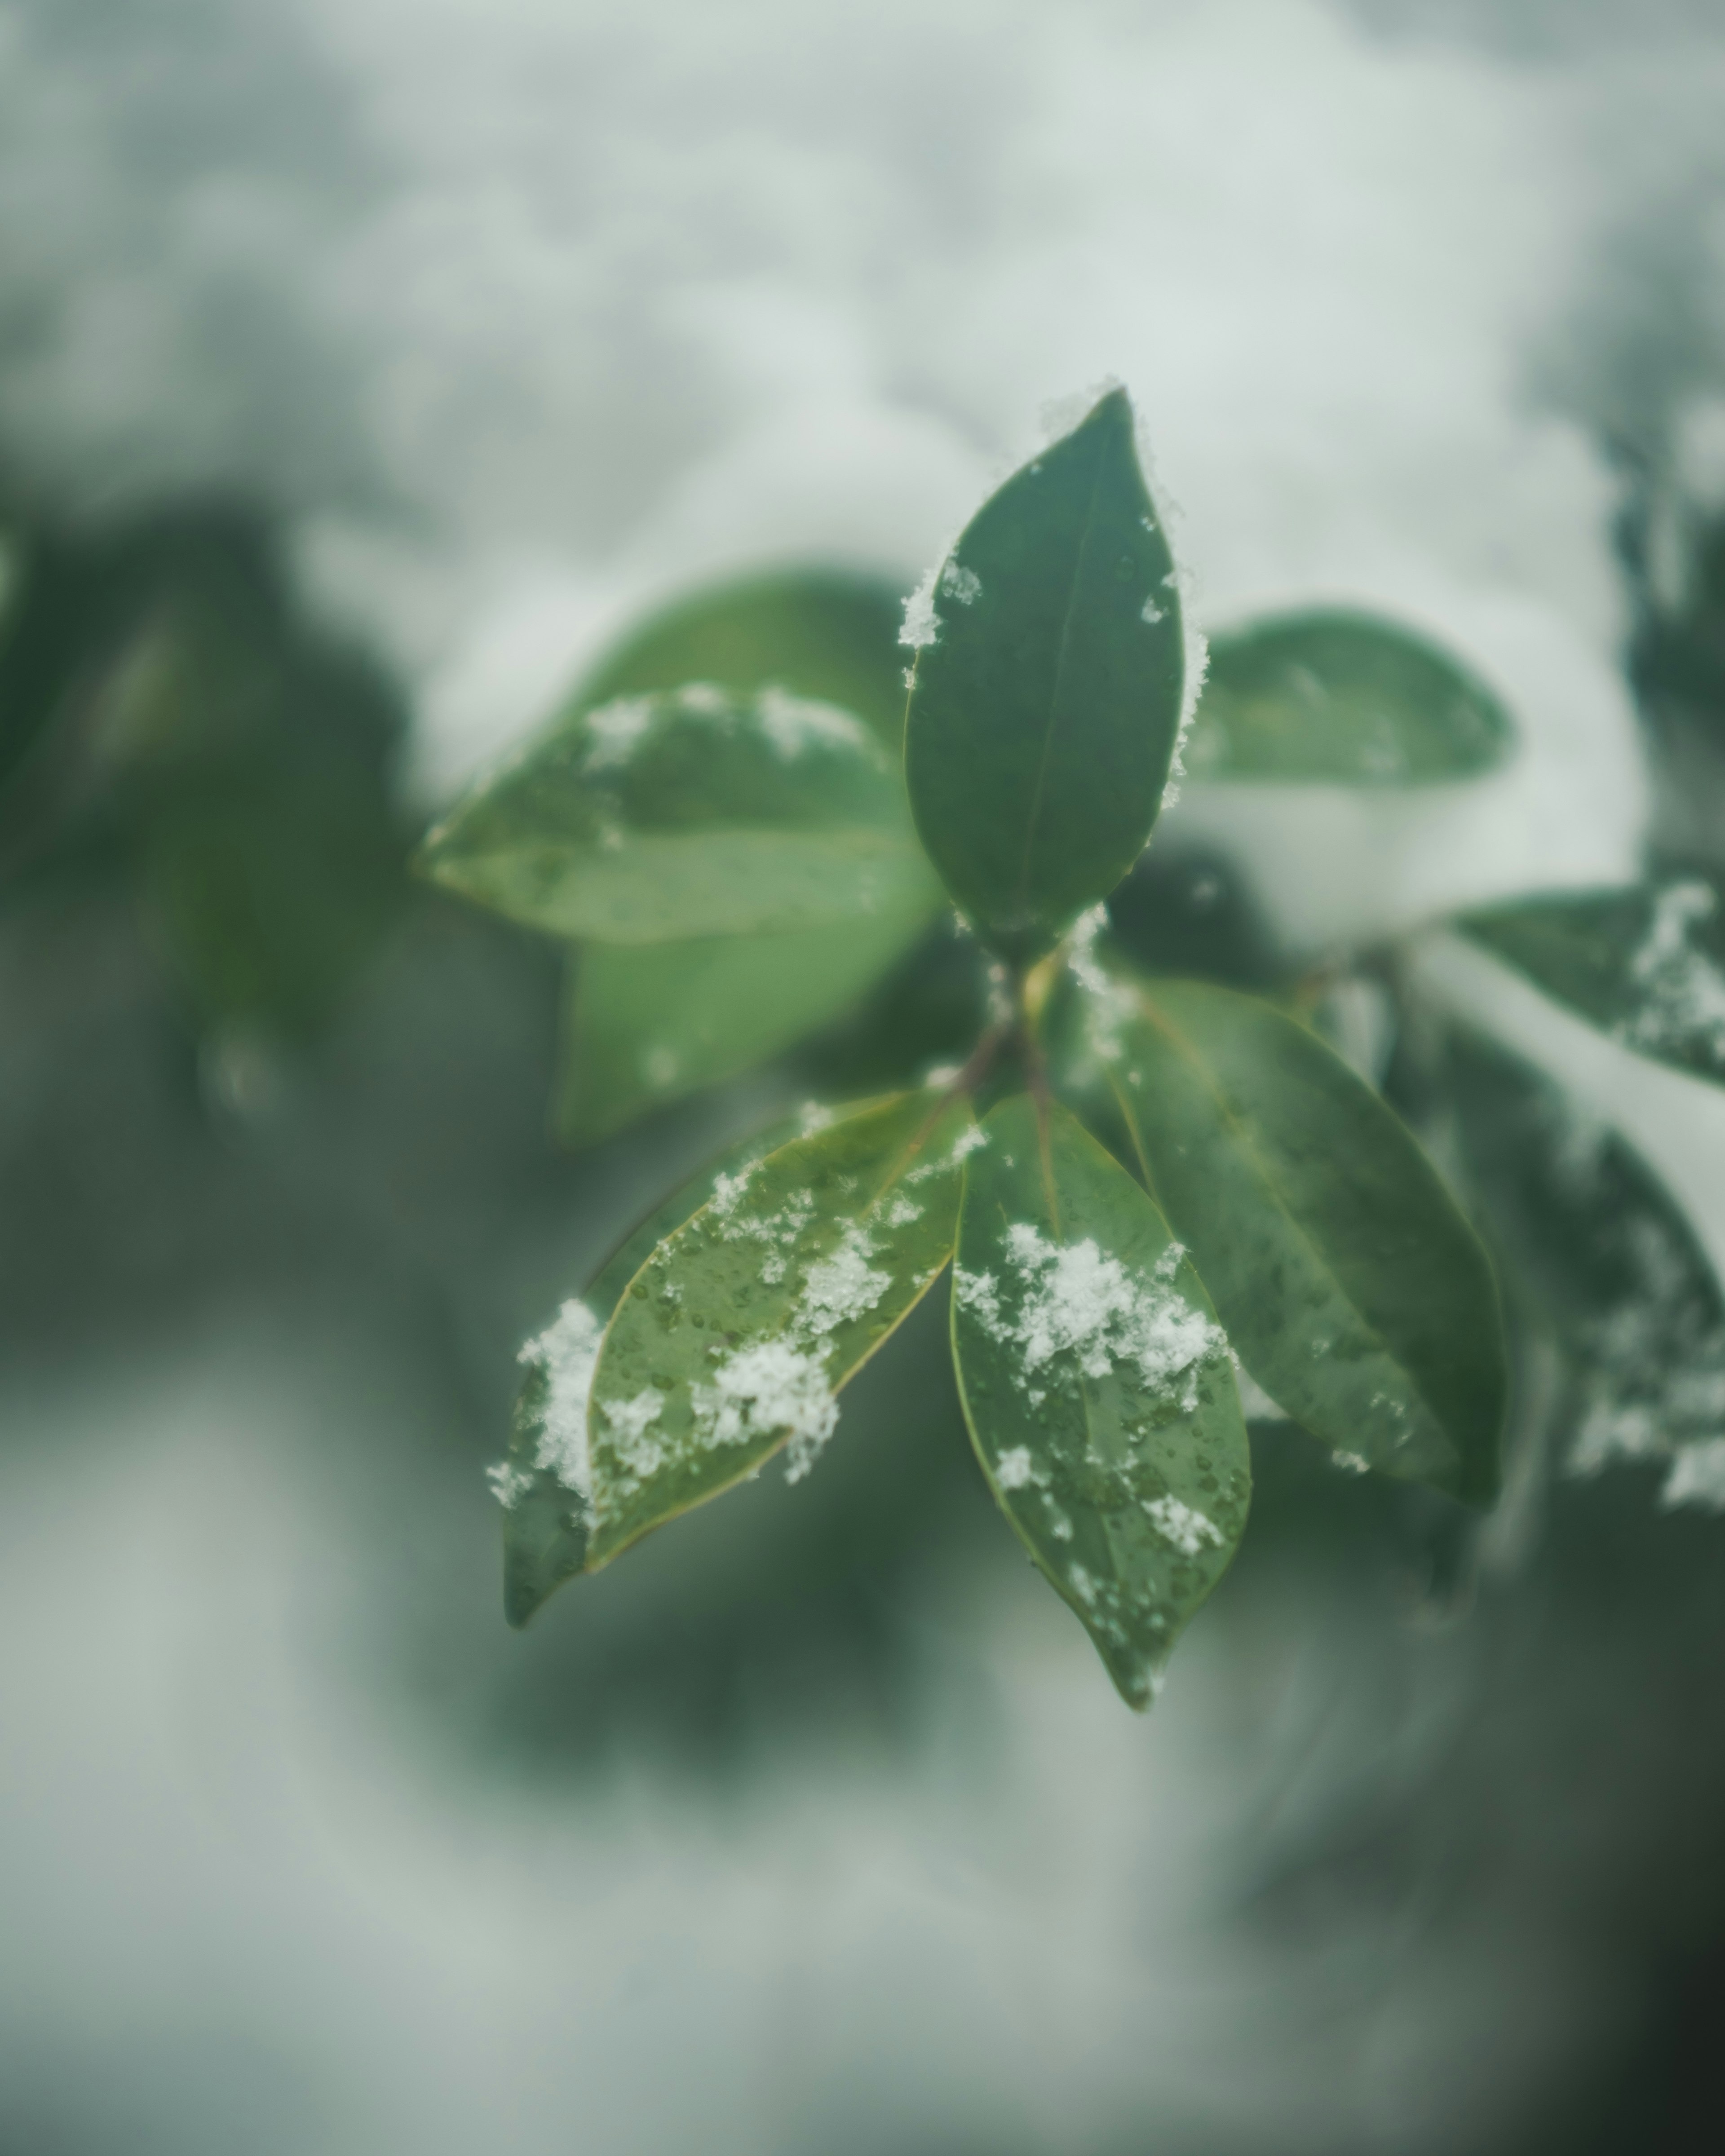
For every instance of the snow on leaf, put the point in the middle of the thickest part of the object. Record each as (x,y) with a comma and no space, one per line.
(1013,1470)
(1188,1531)
(766,1390)
(616,730)
(1074,1300)
(794,724)
(1685,992)
(1696,1477)
(921,624)
(568,1351)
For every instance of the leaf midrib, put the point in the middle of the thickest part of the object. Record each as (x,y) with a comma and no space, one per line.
(1021,895)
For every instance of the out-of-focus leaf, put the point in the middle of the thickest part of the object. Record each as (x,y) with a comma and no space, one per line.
(739,1329)
(1097,1387)
(1351,1285)
(649,1023)
(1044,711)
(169,715)
(1609,1259)
(688,813)
(828,634)
(545,1514)
(1342,697)
(1647,965)
(270,887)
(1189,911)
(927,1012)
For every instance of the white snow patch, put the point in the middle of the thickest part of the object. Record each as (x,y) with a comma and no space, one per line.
(568,1351)
(843,1287)
(727,1189)
(979,1293)
(509,1484)
(1076,1302)
(1696,1477)
(616,730)
(792,724)
(638,1454)
(1081,949)
(921,624)
(1013,1470)
(1685,1007)
(758,1392)
(1188,1530)
(957,583)
(703,699)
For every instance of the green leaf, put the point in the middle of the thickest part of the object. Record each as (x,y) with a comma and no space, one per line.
(1607,1257)
(828,634)
(1344,697)
(692,811)
(1352,1287)
(742,1326)
(546,1511)
(648,1024)
(1097,1387)
(1644,964)
(1045,707)
(270,889)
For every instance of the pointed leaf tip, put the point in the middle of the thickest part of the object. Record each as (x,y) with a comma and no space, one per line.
(1046,701)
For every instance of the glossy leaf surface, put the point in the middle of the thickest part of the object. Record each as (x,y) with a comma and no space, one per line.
(1646,965)
(739,1330)
(542,1482)
(1342,697)
(1097,1387)
(1351,1285)
(828,634)
(689,812)
(1045,711)
(649,1023)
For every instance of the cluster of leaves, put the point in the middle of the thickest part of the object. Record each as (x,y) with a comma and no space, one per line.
(1147,1189)
(170,726)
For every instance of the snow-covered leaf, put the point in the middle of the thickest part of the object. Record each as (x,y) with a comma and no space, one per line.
(1646,965)
(1604,1259)
(736,1334)
(828,634)
(1046,702)
(1097,1386)
(690,812)
(1352,1287)
(543,1483)
(1344,697)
